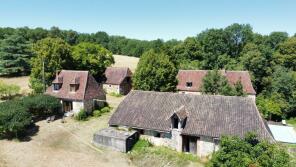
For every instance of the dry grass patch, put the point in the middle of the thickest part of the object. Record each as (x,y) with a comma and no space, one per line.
(22,82)
(126,61)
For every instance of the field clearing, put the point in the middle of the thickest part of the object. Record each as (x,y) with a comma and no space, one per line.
(126,61)
(22,82)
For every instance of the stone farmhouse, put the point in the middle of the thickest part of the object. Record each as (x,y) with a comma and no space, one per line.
(187,122)
(190,81)
(118,80)
(77,90)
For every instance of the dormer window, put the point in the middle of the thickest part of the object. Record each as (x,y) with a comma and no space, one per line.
(179,117)
(73,87)
(57,86)
(188,84)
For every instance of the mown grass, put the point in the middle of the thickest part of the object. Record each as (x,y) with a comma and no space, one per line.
(145,154)
(292,122)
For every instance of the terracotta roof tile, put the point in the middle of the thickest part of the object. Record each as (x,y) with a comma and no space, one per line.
(115,75)
(83,79)
(196,77)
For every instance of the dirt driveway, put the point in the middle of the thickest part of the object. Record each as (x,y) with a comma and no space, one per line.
(61,145)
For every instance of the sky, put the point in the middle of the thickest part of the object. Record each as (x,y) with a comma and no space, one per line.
(150,19)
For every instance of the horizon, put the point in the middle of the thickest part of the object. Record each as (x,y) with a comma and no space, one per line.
(149,20)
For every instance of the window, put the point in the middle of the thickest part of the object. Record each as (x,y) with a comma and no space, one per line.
(156,134)
(189,84)
(56,87)
(73,87)
(175,122)
(109,85)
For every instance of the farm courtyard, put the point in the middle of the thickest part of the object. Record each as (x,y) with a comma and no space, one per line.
(70,144)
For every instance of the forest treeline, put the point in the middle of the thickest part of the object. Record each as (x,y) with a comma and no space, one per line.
(270,59)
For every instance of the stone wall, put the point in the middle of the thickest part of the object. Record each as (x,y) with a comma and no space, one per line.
(77,106)
(206,146)
(88,105)
(109,88)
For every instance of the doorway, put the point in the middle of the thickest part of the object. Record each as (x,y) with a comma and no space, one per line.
(67,106)
(190,144)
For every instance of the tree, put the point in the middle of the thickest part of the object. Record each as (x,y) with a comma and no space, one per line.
(239,35)
(259,61)
(248,152)
(271,106)
(13,119)
(286,54)
(55,54)
(276,38)
(155,72)
(92,57)
(15,55)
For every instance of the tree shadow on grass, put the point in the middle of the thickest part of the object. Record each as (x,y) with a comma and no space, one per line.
(25,136)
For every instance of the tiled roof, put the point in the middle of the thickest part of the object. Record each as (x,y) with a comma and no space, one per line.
(207,115)
(88,88)
(115,75)
(196,77)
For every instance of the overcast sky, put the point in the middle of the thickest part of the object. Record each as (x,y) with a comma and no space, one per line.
(150,19)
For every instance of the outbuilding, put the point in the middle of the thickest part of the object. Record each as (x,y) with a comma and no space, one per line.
(117,139)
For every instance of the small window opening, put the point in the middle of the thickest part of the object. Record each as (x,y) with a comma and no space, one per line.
(157,134)
(189,84)
(73,87)
(56,87)
(175,123)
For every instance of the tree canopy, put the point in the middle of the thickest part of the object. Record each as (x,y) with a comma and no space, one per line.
(155,72)
(247,152)
(55,55)
(93,57)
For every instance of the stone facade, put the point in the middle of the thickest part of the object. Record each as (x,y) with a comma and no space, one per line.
(109,88)
(205,146)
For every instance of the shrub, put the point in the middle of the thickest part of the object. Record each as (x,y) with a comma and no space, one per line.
(248,152)
(97,113)
(81,115)
(105,110)
(7,91)
(41,105)
(14,118)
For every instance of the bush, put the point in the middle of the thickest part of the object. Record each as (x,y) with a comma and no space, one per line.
(41,105)
(97,113)
(7,91)
(248,152)
(14,118)
(81,115)
(105,110)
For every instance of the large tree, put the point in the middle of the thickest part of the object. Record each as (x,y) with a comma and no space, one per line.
(155,72)
(55,55)
(15,55)
(249,152)
(287,53)
(92,57)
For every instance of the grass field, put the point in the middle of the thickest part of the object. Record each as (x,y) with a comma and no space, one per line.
(126,61)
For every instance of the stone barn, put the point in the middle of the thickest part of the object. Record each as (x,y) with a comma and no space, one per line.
(187,122)
(118,80)
(77,90)
(117,139)
(190,81)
